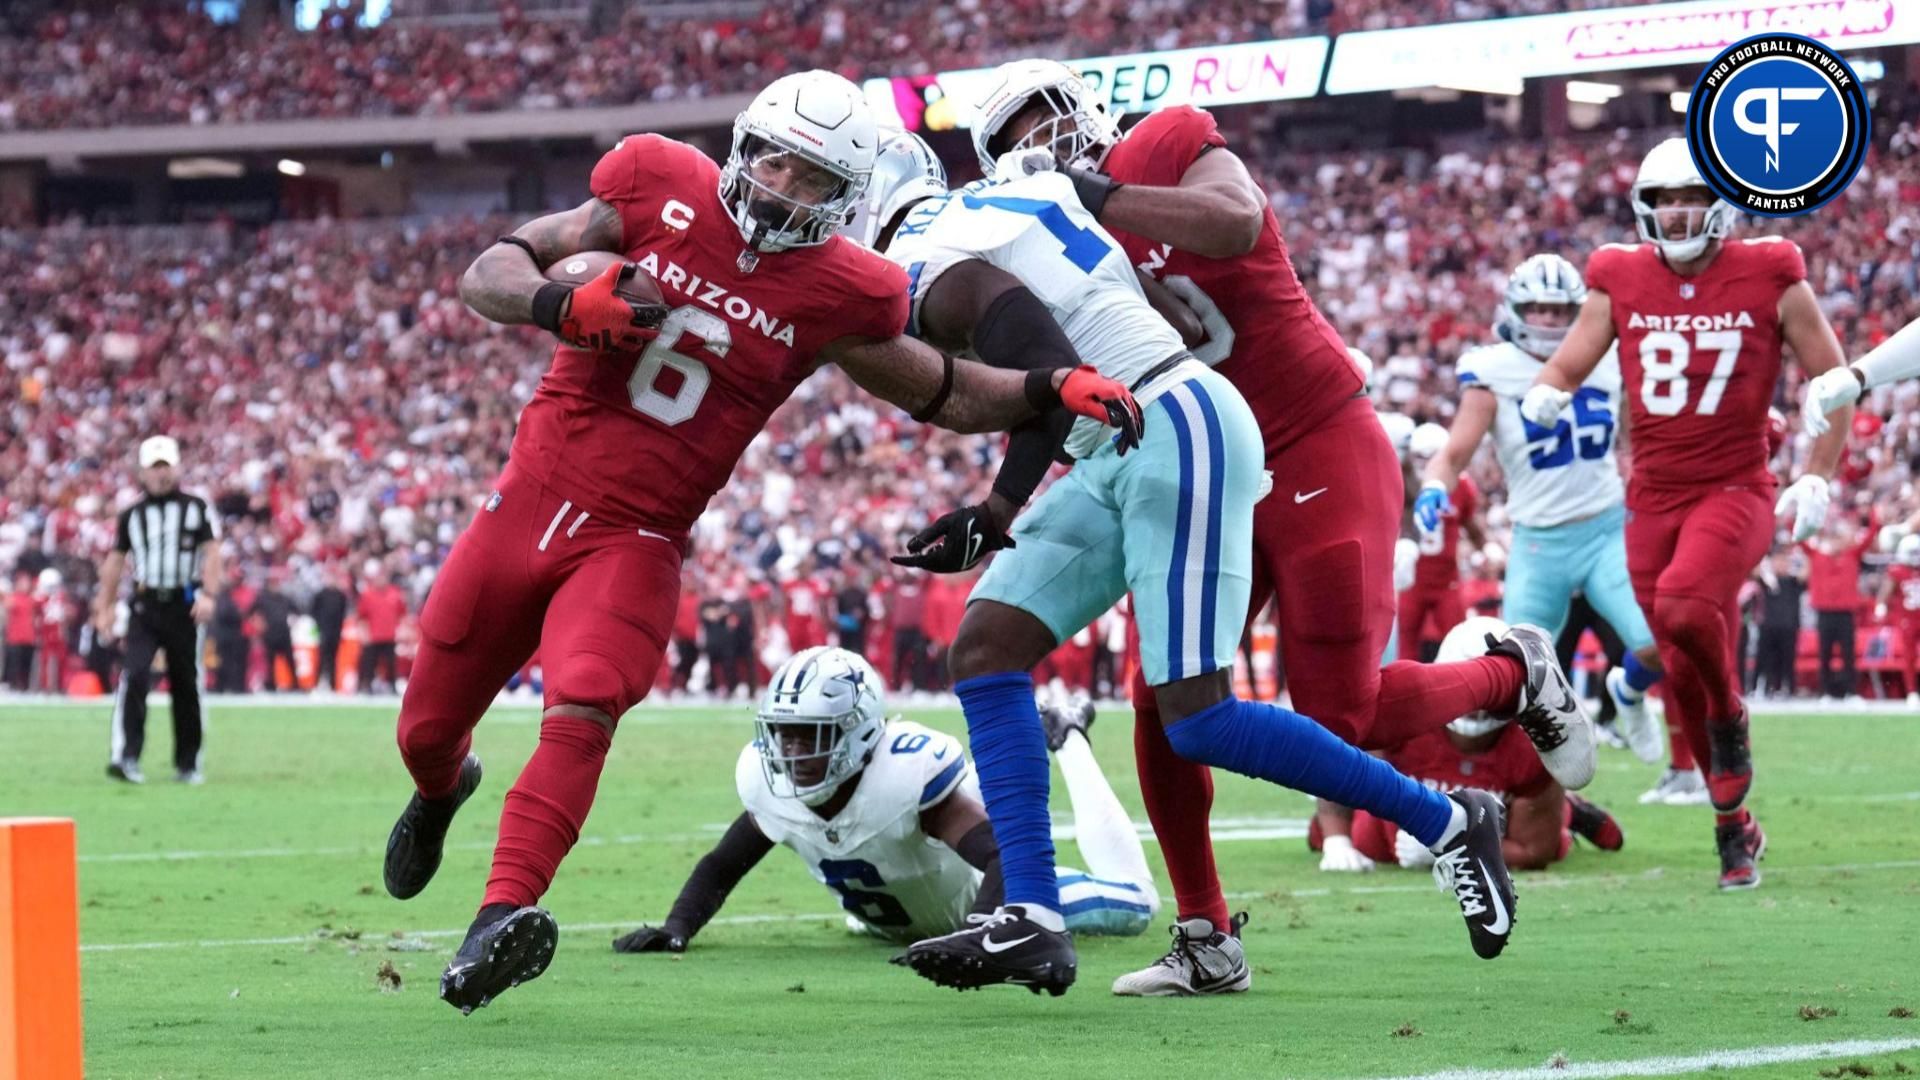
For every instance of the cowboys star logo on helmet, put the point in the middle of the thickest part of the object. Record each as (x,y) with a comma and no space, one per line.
(1778,124)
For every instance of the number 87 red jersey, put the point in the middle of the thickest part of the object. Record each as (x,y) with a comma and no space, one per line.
(1700,358)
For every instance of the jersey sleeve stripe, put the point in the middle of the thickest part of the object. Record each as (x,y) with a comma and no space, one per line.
(938,787)
(913,298)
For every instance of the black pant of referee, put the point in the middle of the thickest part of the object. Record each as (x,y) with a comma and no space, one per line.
(161,622)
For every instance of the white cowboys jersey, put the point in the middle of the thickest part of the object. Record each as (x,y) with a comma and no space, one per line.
(1034,228)
(1559,474)
(889,874)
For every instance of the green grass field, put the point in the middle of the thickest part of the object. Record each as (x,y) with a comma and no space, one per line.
(235,930)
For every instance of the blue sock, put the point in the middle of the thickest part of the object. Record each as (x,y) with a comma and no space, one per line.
(1010,752)
(1270,743)
(1638,676)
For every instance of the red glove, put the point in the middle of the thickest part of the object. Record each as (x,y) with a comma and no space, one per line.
(596,316)
(1087,392)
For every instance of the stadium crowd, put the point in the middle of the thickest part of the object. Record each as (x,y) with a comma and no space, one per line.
(346,414)
(162,64)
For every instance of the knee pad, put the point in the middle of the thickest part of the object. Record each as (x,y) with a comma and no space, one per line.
(592,682)
(1328,585)
(1687,621)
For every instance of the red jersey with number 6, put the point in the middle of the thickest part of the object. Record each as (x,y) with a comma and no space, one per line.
(1439,564)
(1699,357)
(1263,331)
(646,440)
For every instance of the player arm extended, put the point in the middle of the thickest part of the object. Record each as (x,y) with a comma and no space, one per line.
(713,878)
(1807,332)
(1534,825)
(1217,210)
(960,822)
(500,285)
(1470,426)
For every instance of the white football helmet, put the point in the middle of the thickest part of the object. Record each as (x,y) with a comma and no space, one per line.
(1464,642)
(1365,364)
(1908,551)
(905,171)
(1670,165)
(1541,279)
(1080,131)
(1399,428)
(823,703)
(1427,440)
(818,126)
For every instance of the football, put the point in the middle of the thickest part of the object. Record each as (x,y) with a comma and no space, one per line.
(635,286)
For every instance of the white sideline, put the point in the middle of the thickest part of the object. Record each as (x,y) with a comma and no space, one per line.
(1749,1058)
(1420,885)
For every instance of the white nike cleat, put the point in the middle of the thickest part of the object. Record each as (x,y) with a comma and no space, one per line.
(1203,960)
(1549,711)
(1634,719)
(1677,787)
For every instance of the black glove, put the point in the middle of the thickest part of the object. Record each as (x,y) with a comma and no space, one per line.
(955,542)
(650,939)
(1092,188)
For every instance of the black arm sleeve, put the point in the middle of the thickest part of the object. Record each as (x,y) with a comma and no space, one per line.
(1018,332)
(1031,451)
(979,850)
(739,851)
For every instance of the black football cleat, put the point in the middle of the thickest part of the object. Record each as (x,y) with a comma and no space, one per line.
(419,838)
(1594,825)
(505,947)
(1730,773)
(1742,845)
(1004,948)
(1473,869)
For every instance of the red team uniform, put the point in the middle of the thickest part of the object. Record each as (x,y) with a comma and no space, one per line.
(1700,358)
(1510,769)
(1324,537)
(578,550)
(1434,604)
(1903,612)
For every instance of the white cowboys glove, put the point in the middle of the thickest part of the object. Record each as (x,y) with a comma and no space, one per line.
(1543,403)
(1828,391)
(1025,161)
(1405,554)
(1807,497)
(1338,855)
(1412,853)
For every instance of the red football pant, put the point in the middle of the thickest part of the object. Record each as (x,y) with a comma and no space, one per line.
(1327,560)
(1422,607)
(596,600)
(1688,563)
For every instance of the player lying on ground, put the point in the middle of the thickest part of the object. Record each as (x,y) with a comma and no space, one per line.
(1564,490)
(887,814)
(1171,522)
(1480,751)
(1184,209)
(578,551)
(1700,322)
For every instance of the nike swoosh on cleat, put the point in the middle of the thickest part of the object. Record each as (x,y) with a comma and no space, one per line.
(1501,921)
(993,946)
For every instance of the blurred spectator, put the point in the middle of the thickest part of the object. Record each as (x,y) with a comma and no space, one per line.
(1781,588)
(231,648)
(23,631)
(381,607)
(1833,583)
(274,611)
(329,608)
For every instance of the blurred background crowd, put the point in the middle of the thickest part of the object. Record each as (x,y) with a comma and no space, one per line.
(346,414)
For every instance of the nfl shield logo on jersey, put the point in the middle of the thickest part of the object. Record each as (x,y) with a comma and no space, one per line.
(1686,290)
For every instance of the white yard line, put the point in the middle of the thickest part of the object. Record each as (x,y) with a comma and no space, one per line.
(1749,1058)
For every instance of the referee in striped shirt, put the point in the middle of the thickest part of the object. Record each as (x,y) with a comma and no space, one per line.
(172,541)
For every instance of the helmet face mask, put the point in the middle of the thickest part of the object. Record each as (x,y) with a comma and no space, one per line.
(1060,111)
(818,723)
(801,157)
(1543,298)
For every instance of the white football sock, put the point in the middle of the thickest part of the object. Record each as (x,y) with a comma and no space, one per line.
(1456,824)
(1108,843)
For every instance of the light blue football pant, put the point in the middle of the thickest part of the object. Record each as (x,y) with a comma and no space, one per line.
(1172,522)
(1547,566)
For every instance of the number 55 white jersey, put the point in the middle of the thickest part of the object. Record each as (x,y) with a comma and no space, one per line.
(1558,474)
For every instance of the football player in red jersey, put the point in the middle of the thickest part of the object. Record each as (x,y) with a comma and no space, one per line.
(1434,599)
(640,419)
(1190,216)
(1476,750)
(1700,320)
